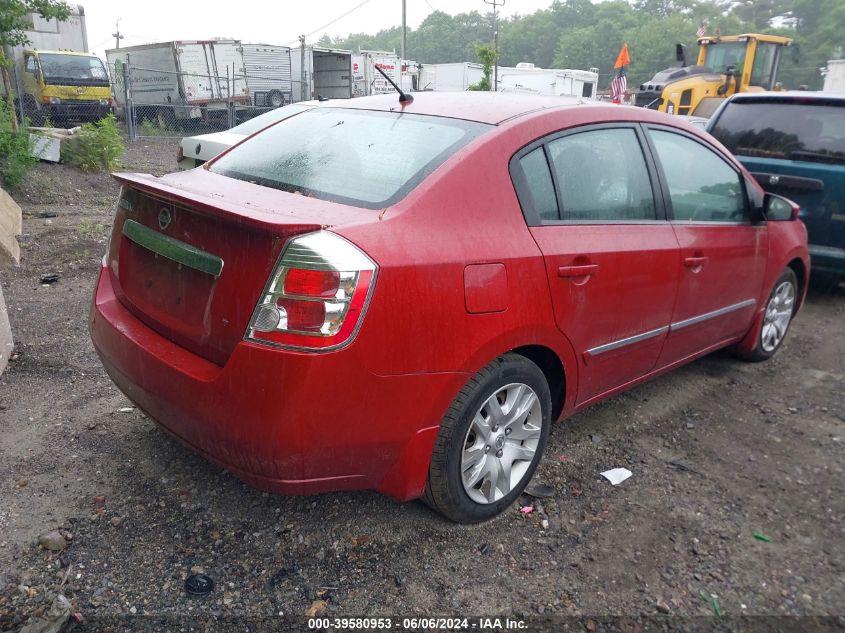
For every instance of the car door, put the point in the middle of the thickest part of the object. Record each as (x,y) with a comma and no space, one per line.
(610,255)
(722,252)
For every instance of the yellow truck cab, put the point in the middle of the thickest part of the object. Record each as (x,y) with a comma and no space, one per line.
(62,87)
(725,66)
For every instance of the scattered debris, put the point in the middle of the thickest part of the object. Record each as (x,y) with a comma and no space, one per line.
(713,601)
(544,524)
(541,491)
(53,541)
(662,606)
(116,521)
(50,278)
(484,549)
(198,585)
(761,537)
(100,499)
(318,607)
(46,214)
(22,483)
(563,458)
(126,409)
(53,620)
(526,509)
(616,475)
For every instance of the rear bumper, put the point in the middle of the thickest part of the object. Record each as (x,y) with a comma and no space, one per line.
(827,259)
(282,421)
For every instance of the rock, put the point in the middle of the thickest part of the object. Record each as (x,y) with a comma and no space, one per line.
(22,483)
(318,607)
(53,541)
(53,620)
(662,606)
(116,521)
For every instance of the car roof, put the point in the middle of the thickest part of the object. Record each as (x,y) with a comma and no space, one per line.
(484,107)
(786,96)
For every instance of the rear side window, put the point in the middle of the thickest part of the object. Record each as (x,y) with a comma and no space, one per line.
(702,186)
(539,184)
(792,131)
(602,176)
(363,158)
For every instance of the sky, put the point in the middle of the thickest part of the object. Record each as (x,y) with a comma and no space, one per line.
(279,22)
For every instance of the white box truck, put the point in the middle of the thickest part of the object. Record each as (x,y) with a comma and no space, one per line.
(268,74)
(181,80)
(834,76)
(321,73)
(366,80)
(555,82)
(454,77)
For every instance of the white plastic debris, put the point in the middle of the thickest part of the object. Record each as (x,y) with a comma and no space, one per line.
(616,475)
(126,409)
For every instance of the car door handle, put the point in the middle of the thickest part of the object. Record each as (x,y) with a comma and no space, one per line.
(695,262)
(583,270)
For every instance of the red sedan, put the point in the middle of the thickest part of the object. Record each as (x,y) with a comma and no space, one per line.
(405,296)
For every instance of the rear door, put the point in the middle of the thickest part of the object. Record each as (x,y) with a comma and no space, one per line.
(198,77)
(611,257)
(722,253)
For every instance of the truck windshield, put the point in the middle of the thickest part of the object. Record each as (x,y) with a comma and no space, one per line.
(363,158)
(72,70)
(724,55)
(778,129)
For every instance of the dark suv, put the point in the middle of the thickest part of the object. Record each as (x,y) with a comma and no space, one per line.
(794,145)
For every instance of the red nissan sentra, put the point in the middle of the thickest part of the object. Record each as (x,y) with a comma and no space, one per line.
(405,296)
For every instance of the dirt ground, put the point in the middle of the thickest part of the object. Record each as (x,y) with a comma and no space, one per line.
(719,450)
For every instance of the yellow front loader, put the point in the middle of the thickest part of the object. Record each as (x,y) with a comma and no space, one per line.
(725,65)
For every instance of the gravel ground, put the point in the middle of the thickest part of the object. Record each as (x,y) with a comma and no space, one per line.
(719,450)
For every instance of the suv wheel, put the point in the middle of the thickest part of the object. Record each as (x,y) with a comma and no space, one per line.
(490,441)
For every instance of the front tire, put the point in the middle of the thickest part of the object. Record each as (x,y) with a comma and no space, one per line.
(490,441)
(780,308)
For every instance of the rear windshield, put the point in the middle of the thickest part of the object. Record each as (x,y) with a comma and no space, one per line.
(794,131)
(363,158)
(268,118)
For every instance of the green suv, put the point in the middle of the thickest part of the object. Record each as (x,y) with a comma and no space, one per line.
(793,143)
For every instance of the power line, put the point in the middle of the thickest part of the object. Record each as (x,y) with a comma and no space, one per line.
(337,19)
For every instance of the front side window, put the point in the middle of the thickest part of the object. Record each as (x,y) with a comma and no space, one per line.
(602,176)
(702,186)
(762,72)
(358,157)
(30,64)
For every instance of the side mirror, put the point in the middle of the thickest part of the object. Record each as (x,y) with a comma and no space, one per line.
(779,209)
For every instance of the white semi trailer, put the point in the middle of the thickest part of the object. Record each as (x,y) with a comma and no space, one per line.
(555,82)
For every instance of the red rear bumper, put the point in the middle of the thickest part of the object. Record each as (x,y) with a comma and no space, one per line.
(283,421)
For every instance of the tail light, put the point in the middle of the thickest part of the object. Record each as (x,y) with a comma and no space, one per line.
(317,295)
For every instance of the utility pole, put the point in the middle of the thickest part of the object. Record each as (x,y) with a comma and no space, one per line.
(404,30)
(495,3)
(116,35)
(302,87)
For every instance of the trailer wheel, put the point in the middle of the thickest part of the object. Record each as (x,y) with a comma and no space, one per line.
(275,99)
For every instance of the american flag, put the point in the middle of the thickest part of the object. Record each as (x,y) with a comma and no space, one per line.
(702,30)
(618,86)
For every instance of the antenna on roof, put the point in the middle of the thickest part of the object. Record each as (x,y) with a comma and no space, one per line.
(404,97)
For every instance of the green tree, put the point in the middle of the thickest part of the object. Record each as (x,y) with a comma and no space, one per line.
(486,54)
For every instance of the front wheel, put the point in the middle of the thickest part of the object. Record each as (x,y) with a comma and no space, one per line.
(780,308)
(490,441)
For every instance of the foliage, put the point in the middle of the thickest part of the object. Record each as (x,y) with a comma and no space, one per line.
(15,155)
(585,34)
(14,23)
(487,55)
(96,146)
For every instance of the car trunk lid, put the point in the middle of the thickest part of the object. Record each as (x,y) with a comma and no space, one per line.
(191,252)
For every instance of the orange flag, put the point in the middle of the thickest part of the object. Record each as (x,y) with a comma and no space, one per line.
(622,59)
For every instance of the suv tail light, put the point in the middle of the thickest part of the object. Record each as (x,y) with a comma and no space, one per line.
(316,296)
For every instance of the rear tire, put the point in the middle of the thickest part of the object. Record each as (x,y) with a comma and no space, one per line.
(780,308)
(490,441)
(275,99)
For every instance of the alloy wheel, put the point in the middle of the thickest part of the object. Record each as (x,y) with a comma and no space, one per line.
(778,315)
